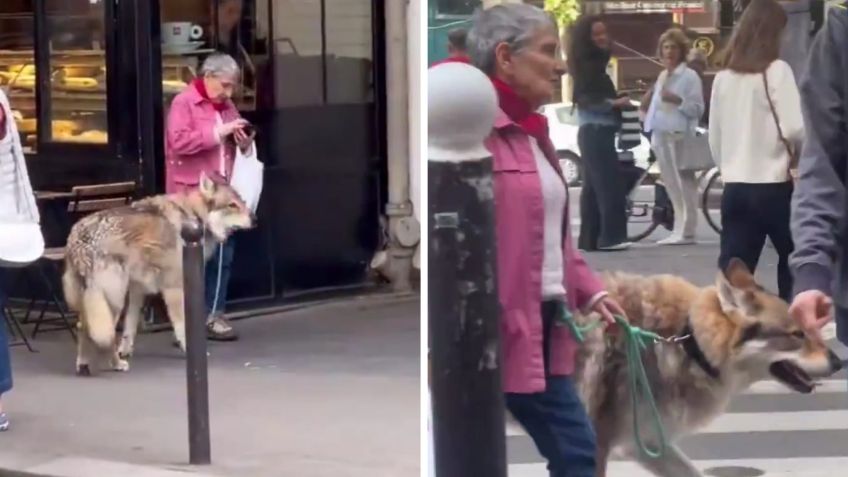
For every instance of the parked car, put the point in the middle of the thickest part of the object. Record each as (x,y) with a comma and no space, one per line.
(562,122)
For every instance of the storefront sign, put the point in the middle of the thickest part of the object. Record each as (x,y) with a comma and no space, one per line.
(646,6)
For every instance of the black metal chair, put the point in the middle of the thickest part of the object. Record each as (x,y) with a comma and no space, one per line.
(16,332)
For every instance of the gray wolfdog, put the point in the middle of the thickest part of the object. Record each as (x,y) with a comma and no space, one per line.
(738,334)
(116,257)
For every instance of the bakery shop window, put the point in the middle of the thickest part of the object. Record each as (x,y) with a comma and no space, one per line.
(17,65)
(77,93)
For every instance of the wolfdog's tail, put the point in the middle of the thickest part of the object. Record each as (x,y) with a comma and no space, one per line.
(73,288)
(91,303)
(97,317)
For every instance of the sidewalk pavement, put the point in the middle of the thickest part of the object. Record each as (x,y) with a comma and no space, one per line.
(318,392)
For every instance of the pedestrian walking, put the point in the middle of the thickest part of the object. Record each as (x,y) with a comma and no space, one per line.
(676,106)
(203,130)
(17,206)
(457,50)
(603,200)
(756,126)
(820,260)
(539,272)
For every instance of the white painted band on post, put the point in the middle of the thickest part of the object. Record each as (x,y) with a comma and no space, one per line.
(461,110)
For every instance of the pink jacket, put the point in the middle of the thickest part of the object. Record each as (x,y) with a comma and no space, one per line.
(519,217)
(191,145)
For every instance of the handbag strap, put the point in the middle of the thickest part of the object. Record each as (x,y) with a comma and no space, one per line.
(793,159)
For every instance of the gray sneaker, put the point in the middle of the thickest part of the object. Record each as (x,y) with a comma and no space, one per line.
(4,422)
(219,329)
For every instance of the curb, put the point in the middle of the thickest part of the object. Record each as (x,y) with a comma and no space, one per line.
(18,473)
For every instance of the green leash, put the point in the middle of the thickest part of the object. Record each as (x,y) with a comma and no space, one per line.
(637,340)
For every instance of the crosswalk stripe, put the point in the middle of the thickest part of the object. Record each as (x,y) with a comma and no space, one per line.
(774,387)
(741,422)
(796,467)
(773,421)
(778,421)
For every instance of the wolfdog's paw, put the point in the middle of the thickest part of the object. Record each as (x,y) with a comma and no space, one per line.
(83,370)
(120,365)
(125,349)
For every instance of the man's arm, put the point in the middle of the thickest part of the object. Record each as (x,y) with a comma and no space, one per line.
(818,204)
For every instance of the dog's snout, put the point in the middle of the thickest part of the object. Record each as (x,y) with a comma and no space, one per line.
(835,361)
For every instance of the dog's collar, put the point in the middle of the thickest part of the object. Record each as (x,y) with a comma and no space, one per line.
(690,346)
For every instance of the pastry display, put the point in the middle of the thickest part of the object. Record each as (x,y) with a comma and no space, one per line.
(77,93)
(70,83)
(173,86)
(94,137)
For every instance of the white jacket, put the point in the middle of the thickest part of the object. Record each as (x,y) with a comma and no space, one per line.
(14,175)
(743,135)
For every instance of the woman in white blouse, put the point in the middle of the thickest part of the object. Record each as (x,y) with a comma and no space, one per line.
(677,104)
(17,203)
(755,128)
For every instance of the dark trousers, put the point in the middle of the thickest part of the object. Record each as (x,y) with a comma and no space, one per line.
(749,214)
(603,216)
(211,273)
(556,419)
(841,318)
(5,359)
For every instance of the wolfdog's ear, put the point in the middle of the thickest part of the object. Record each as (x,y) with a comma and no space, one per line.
(207,185)
(735,287)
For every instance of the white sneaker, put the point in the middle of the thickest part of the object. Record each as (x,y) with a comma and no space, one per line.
(616,247)
(676,240)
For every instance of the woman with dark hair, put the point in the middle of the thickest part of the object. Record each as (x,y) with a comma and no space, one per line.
(603,214)
(756,127)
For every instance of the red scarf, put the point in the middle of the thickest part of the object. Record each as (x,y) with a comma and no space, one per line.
(200,86)
(520,111)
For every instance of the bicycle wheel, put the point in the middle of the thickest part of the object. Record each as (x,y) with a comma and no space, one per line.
(711,200)
(641,204)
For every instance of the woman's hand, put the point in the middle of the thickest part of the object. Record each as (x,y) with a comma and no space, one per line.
(229,128)
(670,97)
(609,309)
(243,140)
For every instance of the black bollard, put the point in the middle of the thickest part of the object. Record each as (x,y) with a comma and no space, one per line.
(464,322)
(199,447)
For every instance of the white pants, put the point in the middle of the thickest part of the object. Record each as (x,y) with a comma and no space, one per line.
(681,186)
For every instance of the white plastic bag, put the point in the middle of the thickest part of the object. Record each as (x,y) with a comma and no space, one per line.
(21,243)
(248,177)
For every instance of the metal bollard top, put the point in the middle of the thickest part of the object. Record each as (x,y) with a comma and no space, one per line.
(192,232)
(461,108)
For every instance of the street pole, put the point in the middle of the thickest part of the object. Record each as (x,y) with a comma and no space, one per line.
(199,447)
(467,399)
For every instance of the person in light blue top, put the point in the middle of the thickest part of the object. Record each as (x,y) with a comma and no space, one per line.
(677,105)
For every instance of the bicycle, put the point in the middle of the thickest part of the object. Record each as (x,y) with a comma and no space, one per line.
(645,215)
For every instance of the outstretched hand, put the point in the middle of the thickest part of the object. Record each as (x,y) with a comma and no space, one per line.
(609,309)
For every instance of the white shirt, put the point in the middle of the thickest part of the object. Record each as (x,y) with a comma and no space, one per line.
(8,179)
(663,116)
(743,135)
(554,195)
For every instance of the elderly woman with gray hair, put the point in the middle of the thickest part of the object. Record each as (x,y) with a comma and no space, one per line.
(541,276)
(203,130)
